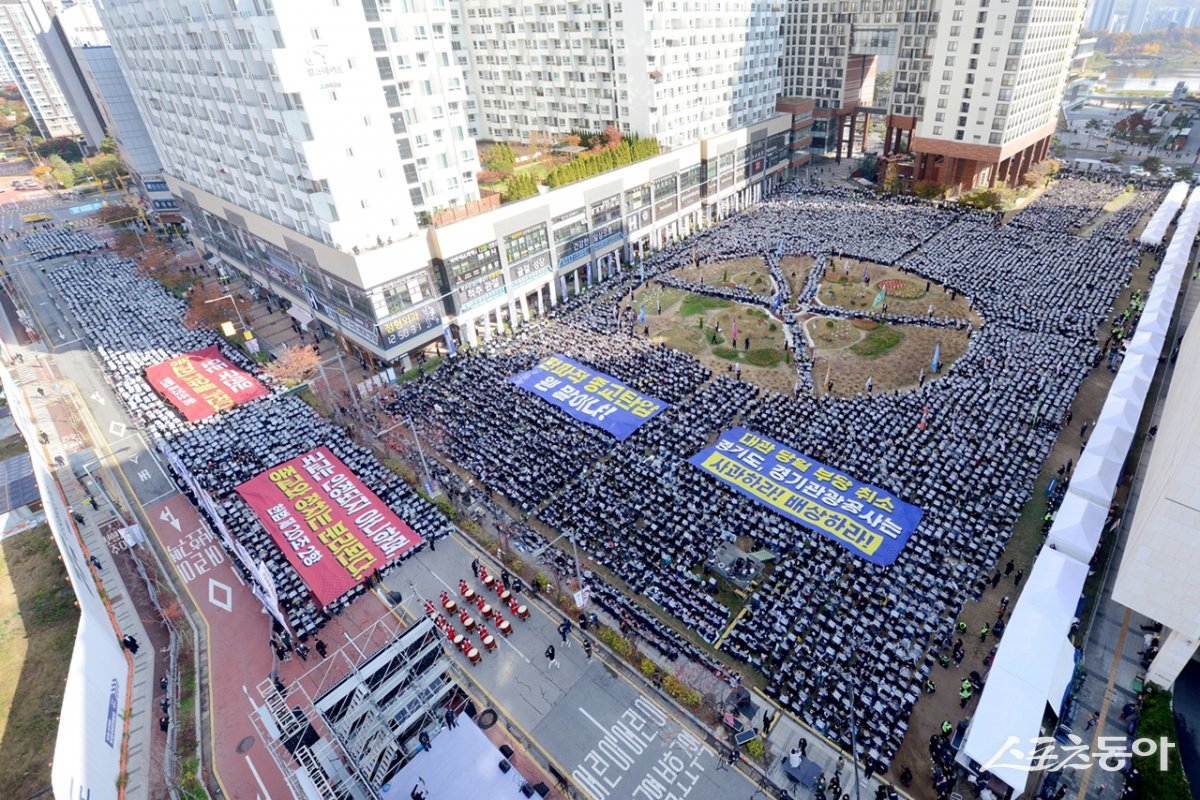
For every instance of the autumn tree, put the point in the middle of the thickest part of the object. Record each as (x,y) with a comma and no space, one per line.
(208,307)
(126,244)
(296,364)
(114,214)
(612,136)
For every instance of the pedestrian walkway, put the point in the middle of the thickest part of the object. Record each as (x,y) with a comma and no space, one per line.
(90,522)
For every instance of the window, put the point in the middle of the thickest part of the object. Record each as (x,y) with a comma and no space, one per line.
(378,42)
(316,34)
(994,138)
(415,197)
(385,69)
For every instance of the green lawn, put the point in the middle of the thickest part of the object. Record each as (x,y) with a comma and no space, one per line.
(877,342)
(38,619)
(695,304)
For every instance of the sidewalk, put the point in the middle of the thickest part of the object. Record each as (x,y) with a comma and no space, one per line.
(139,770)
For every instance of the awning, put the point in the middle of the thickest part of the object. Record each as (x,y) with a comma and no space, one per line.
(300,314)
(170,219)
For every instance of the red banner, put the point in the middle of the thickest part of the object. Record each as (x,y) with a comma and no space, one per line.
(333,530)
(202,383)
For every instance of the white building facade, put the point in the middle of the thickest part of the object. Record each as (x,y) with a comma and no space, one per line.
(22,24)
(676,71)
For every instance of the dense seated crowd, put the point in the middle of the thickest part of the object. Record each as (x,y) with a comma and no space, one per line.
(227,449)
(58,242)
(1076,201)
(820,617)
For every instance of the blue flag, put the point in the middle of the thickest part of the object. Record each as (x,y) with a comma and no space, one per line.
(778,302)
(642,315)
(642,272)
(450,347)
(937,352)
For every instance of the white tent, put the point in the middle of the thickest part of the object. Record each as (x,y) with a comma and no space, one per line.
(1158,320)
(1028,672)
(1123,411)
(1096,477)
(1140,363)
(1077,526)
(1111,440)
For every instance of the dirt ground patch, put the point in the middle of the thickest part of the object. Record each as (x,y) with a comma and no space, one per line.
(38,619)
(895,366)
(796,269)
(906,293)
(689,322)
(749,272)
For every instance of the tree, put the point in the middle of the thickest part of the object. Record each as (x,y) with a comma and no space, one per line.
(204,314)
(520,186)
(612,136)
(126,244)
(114,214)
(928,190)
(1151,164)
(1092,125)
(109,145)
(107,167)
(499,157)
(296,364)
(21,131)
(1184,173)
(61,171)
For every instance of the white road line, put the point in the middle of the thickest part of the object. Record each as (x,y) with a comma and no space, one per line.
(265,794)
(154,500)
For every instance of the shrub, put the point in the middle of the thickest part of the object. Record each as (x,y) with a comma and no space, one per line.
(726,353)
(766,357)
(649,668)
(755,749)
(540,581)
(619,644)
(1158,721)
(681,692)
(487,176)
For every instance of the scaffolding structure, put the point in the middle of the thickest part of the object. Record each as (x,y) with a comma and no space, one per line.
(346,726)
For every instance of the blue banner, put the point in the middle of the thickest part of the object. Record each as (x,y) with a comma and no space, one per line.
(866,521)
(590,396)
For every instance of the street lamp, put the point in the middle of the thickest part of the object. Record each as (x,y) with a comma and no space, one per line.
(420,452)
(536,554)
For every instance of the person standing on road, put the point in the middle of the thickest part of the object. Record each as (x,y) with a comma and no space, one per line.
(552,657)
(564,630)
(587,648)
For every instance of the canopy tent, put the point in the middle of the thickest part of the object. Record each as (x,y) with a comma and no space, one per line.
(1141,364)
(1110,440)
(1028,672)
(1156,228)
(1077,527)
(1064,671)
(301,314)
(1121,411)
(1096,476)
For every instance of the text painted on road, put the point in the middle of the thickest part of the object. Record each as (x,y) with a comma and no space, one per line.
(196,553)
(604,771)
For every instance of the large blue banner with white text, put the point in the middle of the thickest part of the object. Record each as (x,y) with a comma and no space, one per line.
(590,396)
(865,520)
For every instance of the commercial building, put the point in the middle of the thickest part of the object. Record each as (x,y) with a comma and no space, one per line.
(24,25)
(679,72)
(124,122)
(1157,574)
(975,89)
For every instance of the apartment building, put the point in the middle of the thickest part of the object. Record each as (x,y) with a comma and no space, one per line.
(317,137)
(975,89)
(677,70)
(23,24)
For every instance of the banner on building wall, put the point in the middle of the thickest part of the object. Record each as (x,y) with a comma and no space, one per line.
(202,383)
(865,520)
(332,529)
(590,396)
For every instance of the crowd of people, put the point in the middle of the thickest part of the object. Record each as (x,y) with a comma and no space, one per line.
(821,619)
(104,294)
(58,242)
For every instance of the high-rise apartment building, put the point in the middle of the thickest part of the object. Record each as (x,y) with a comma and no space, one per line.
(22,24)
(67,28)
(1136,21)
(1102,15)
(310,136)
(679,71)
(975,90)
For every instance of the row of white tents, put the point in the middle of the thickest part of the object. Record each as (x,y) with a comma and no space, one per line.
(1035,661)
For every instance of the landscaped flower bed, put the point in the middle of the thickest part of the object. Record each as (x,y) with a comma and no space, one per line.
(902,289)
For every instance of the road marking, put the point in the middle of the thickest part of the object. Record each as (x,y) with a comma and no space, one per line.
(117,428)
(215,586)
(98,398)
(265,794)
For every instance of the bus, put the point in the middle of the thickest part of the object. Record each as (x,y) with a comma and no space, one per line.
(29,219)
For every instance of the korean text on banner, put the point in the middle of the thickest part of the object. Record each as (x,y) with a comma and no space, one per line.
(867,521)
(202,383)
(590,396)
(333,530)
